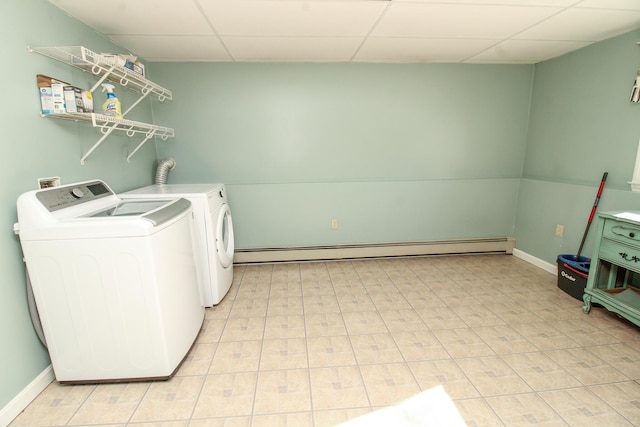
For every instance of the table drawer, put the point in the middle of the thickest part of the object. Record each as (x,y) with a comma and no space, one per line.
(622,232)
(619,254)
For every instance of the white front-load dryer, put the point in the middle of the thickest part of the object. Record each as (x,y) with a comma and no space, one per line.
(214,230)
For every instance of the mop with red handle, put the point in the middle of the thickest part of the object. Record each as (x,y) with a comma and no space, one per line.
(593,212)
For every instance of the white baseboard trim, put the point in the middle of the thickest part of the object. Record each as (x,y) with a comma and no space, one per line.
(26,396)
(375,250)
(551,268)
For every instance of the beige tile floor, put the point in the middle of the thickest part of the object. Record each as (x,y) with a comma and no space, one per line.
(315,344)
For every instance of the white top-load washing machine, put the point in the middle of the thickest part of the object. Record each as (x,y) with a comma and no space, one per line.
(115,282)
(214,232)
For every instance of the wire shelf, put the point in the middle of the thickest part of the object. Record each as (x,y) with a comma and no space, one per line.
(106,69)
(89,61)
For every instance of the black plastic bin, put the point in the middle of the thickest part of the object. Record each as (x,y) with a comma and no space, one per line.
(573,274)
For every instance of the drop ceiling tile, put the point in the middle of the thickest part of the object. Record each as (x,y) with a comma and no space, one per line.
(404,49)
(174,48)
(304,49)
(338,26)
(292,18)
(531,51)
(556,3)
(611,4)
(580,24)
(405,19)
(500,61)
(138,17)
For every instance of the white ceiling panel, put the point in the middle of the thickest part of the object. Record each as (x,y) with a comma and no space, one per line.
(584,25)
(171,48)
(292,18)
(381,49)
(303,49)
(612,4)
(489,31)
(458,21)
(556,3)
(526,50)
(169,17)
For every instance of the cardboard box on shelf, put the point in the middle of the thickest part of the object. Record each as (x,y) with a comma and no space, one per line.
(51,94)
(46,100)
(87,101)
(136,67)
(70,100)
(78,100)
(127,61)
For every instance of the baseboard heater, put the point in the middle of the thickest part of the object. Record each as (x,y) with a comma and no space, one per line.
(375,250)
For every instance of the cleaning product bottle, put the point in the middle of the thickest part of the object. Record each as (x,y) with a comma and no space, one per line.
(111,106)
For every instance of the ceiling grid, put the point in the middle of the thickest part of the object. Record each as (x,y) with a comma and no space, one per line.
(390,31)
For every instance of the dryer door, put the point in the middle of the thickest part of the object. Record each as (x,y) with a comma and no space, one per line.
(224,236)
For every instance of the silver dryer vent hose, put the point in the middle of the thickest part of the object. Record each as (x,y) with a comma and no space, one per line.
(164,166)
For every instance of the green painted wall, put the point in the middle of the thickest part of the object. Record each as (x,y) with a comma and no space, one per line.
(394,152)
(299,214)
(581,126)
(35,147)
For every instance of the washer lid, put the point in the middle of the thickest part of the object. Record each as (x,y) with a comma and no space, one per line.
(111,223)
(143,208)
(92,210)
(181,190)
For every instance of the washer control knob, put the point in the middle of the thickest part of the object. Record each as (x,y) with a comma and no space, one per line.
(77,193)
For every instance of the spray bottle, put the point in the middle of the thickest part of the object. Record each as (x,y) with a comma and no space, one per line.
(111,106)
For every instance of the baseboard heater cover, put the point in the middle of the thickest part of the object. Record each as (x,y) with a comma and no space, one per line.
(375,250)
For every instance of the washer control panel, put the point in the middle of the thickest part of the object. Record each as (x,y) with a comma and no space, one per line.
(56,198)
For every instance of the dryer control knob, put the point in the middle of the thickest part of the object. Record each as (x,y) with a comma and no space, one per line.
(77,193)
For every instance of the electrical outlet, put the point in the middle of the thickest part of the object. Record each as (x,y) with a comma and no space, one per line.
(559,230)
(334,224)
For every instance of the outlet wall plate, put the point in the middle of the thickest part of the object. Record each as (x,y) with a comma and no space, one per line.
(53,181)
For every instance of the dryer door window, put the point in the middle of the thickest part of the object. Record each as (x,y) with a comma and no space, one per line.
(224,237)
